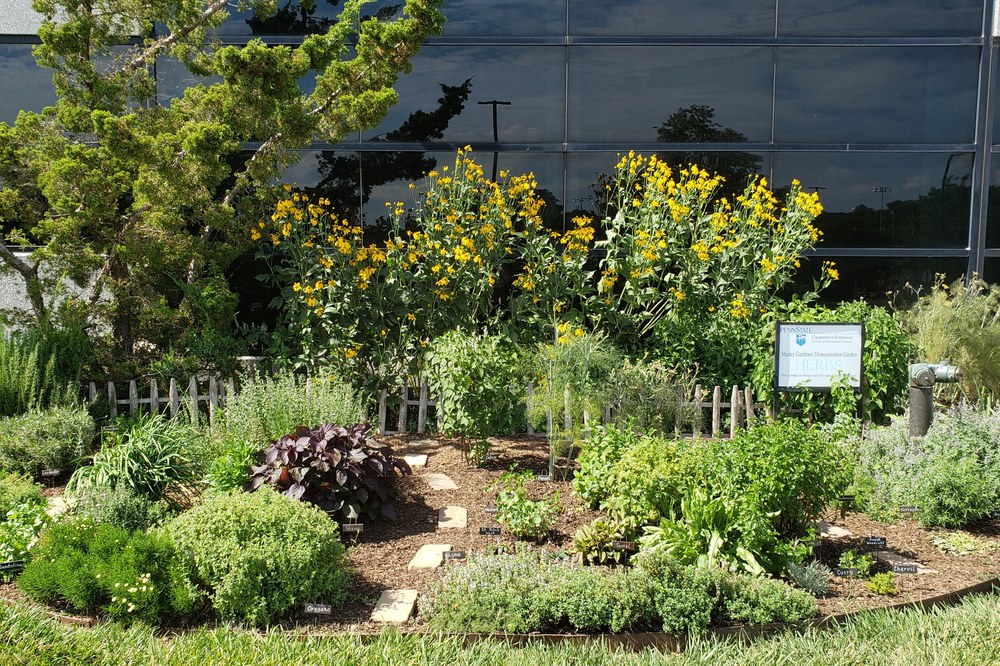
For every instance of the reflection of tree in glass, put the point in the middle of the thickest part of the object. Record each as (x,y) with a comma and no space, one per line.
(297,18)
(341,180)
(696,124)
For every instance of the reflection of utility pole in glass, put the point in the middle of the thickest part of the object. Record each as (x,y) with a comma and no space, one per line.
(496,138)
(881,189)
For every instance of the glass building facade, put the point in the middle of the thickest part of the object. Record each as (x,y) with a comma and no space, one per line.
(884,107)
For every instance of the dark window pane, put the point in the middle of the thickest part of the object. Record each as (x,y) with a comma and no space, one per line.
(587,172)
(877,279)
(885,199)
(386,178)
(626,94)
(23,85)
(515,18)
(672,17)
(876,94)
(993,210)
(441,98)
(875,18)
(991,270)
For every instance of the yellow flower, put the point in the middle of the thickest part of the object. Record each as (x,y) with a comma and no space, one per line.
(351,353)
(411,316)
(296,287)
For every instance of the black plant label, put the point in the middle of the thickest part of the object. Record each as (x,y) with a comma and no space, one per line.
(490,509)
(318,609)
(904,568)
(874,542)
(849,572)
(544,477)
(625,545)
(493,531)
(454,554)
(14,566)
(48,473)
(846,499)
(352,527)
(907,509)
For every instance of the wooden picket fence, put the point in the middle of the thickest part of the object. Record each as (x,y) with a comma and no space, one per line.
(211,391)
(741,406)
(209,394)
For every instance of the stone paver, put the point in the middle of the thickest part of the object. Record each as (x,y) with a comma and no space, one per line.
(429,556)
(893,558)
(828,530)
(439,481)
(394,606)
(57,507)
(416,459)
(452,517)
(424,442)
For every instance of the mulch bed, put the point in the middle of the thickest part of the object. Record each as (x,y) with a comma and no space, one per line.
(380,554)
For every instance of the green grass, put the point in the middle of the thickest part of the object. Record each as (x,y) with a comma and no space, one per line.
(964,634)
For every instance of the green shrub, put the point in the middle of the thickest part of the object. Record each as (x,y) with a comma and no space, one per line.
(154,457)
(263,410)
(477,385)
(17,489)
(88,568)
(121,507)
(952,475)
(647,482)
(522,516)
(55,438)
(258,555)
(755,600)
(863,562)
(595,541)
(685,597)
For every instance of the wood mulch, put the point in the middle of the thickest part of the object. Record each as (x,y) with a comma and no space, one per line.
(380,554)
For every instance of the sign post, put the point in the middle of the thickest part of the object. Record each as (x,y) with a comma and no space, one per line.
(816,356)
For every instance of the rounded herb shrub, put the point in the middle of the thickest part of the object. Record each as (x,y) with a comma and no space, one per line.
(261,555)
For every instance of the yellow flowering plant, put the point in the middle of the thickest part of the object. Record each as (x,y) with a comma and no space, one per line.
(682,263)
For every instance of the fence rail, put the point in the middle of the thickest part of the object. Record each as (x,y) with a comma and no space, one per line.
(215,393)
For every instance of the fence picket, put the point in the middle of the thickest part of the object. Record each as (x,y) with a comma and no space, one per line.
(193,399)
(422,407)
(175,402)
(113,399)
(154,397)
(716,410)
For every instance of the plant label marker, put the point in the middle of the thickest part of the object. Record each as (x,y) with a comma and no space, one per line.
(543,477)
(454,555)
(874,542)
(48,473)
(904,568)
(492,531)
(318,609)
(490,509)
(907,509)
(354,529)
(625,545)
(14,566)
(491,457)
(849,572)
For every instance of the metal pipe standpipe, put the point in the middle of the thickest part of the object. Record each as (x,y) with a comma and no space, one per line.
(923,376)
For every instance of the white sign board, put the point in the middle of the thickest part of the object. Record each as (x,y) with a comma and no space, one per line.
(814,356)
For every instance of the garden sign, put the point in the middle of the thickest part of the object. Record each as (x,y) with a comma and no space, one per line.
(815,356)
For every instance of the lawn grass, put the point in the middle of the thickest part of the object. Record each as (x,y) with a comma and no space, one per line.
(965,634)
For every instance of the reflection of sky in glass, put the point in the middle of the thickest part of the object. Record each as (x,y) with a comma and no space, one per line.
(672,17)
(519,18)
(876,18)
(905,188)
(23,85)
(876,94)
(290,19)
(626,93)
(529,77)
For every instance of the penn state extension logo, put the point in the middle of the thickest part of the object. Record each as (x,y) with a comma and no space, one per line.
(800,339)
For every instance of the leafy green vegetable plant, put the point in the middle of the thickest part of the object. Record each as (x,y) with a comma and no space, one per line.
(337,468)
(863,562)
(883,583)
(523,516)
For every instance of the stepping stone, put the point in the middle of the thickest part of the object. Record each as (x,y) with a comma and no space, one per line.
(438,481)
(828,530)
(424,442)
(416,459)
(430,556)
(57,507)
(394,606)
(893,558)
(451,517)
